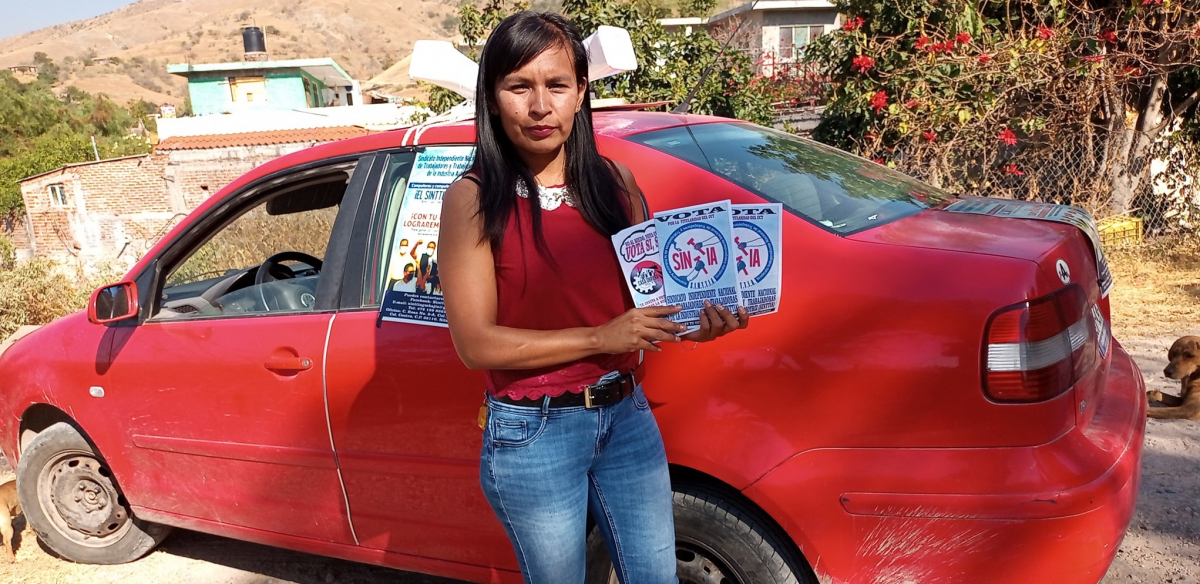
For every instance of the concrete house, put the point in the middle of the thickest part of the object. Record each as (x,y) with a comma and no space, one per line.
(774,31)
(257,83)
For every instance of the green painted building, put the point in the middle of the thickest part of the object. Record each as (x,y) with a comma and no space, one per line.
(218,88)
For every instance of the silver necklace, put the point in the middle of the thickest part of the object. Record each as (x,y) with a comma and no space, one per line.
(549,198)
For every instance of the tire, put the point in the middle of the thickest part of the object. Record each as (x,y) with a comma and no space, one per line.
(72,501)
(718,540)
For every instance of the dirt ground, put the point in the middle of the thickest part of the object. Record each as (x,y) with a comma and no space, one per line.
(1162,545)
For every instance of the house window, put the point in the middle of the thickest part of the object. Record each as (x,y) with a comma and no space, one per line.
(793,39)
(58,195)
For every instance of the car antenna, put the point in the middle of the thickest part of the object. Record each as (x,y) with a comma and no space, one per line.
(683,106)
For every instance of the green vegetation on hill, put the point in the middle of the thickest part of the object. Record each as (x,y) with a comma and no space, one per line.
(41,129)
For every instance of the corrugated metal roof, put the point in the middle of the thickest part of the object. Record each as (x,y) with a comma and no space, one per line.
(262,138)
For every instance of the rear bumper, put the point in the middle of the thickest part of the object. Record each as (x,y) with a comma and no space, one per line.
(1050,513)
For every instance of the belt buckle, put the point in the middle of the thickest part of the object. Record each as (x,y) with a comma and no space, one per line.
(587,396)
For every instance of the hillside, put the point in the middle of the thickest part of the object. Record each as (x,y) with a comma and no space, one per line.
(124,53)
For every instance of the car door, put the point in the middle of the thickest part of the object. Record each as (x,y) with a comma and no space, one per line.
(403,408)
(221,385)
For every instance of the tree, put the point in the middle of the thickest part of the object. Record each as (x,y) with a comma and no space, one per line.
(40,131)
(976,93)
(669,64)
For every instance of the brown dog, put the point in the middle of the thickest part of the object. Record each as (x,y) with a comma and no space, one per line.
(1184,365)
(10,508)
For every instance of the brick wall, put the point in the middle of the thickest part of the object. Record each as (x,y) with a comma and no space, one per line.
(17,230)
(117,209)
(111,207)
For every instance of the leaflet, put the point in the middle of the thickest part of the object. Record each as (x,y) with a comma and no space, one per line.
(1044,212)
(641,264)
(757,234)
(696,244)
(414,291)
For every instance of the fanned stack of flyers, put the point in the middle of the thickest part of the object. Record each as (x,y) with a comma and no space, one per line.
(725,254)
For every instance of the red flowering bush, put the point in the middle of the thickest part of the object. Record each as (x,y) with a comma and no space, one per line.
(969,95)
(863,63)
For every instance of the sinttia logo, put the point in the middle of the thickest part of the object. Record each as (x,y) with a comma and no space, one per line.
(753,253)
(695,255)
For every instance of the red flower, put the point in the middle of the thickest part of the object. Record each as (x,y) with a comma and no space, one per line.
(1044,32)
(879,101)
(1013,170)
(1094,58)
(1134,71)
(922,42)
(878,161)
(962,38)
(1008,137)
(863,63)
(853,24)
(931,136)
(1109,36)
(984,58)
(869,135)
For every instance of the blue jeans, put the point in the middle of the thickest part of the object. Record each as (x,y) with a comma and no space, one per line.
(544,469)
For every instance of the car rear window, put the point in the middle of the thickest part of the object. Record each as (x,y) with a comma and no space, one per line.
(838,191)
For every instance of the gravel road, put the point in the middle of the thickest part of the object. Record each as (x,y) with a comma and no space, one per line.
(1162,545)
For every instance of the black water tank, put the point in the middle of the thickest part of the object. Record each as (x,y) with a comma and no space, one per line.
(253,40)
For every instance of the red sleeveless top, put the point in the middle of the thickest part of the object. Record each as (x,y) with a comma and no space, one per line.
(582,287)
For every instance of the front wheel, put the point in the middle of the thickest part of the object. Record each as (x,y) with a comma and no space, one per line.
(718,540)
(71,500)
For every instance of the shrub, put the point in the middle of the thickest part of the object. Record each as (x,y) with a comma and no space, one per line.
(39,291)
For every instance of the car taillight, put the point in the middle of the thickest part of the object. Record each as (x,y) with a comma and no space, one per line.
(1038,349)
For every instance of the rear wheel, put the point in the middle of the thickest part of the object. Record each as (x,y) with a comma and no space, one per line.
(718,540)
(71,500)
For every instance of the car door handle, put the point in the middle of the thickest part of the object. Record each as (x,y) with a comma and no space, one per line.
(289,364)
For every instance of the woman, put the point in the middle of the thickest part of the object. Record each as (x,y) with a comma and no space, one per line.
(534,294)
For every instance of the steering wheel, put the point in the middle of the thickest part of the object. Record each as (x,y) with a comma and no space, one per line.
(272,269)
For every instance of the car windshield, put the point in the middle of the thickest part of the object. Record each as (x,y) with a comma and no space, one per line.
(825,186)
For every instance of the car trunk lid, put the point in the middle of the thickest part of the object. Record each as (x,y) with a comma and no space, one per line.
(1062,252)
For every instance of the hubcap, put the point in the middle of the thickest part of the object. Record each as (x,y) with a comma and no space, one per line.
(85,497)
(695,566)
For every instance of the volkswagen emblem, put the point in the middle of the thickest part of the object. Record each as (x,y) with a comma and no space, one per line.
(1064,272)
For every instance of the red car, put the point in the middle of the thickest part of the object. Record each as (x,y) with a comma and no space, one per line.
(935,401)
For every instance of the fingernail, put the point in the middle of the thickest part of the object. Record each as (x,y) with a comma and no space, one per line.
(720,307)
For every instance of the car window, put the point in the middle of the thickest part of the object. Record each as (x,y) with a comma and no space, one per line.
(404,242)
(266,260)
(838,191)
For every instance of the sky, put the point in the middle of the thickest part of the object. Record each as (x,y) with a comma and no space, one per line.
(18,16)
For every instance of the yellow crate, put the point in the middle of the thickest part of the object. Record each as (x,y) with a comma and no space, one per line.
(1120,230)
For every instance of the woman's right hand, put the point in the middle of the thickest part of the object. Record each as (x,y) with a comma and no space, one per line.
(637,329)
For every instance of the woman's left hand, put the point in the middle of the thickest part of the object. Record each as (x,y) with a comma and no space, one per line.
(717,321)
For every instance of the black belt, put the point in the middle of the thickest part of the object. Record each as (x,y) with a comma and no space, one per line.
(592,396)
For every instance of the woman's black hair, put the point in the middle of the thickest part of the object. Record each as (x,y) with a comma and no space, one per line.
(594,190)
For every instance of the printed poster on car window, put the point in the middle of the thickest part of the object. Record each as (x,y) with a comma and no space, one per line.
(757,234)
(1043,212)
(696,245)
(414,291)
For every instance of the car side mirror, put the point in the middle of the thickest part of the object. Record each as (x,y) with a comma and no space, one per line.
(113,303)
